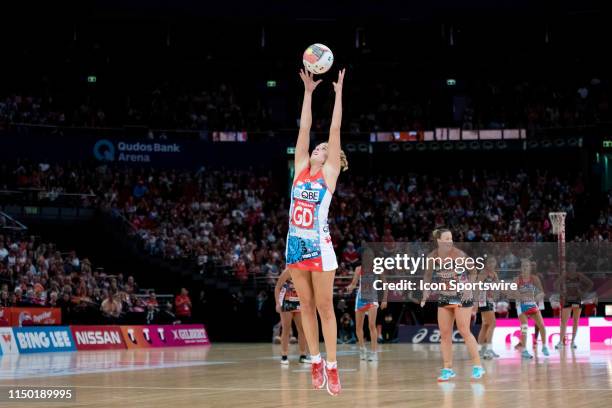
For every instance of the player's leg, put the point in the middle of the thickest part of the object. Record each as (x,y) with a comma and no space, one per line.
(524,330)
(565,314)
(463,316)
(446,319)
(488,322)
(539,321)
(323,287)
(373,333)
(359,320)
(285,334)
(302,345)
(302,281)
(576,311)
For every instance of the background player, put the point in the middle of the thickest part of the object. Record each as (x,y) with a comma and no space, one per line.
(363,307)
(486,307)
(527,295)
(571,286)
(452,306)
(288,306)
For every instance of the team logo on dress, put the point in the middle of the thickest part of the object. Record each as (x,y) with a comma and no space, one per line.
(308,195)
(303,214)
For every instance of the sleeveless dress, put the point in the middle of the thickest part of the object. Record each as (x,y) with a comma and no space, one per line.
(309,245)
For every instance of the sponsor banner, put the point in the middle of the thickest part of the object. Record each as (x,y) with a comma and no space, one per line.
(98,337)
(428,334)
(137,336)
(508,331)
(34,316)
(601,330)
(7,341)
(43,339)
(179,335)
(165,335)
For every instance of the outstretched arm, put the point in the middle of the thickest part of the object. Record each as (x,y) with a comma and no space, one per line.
(332,164)
(303,142)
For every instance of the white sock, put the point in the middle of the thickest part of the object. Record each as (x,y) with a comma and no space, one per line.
(331,364)
(315,359)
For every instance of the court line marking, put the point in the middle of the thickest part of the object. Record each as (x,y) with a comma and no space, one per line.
(244,389)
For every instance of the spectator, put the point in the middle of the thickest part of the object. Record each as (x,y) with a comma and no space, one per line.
(182,305)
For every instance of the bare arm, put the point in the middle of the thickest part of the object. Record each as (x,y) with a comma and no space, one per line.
(427,279)
(282,278)
(353,283)
(332,166)
(303,142)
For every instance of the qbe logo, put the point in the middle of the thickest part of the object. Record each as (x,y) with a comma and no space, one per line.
(307,195)
(303,214)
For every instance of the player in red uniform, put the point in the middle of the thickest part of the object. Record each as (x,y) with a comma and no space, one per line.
(288,306)
(310,254)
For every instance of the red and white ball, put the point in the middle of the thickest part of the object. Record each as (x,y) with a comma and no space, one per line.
(318,59)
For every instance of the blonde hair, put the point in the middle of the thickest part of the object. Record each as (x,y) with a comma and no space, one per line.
(343,159)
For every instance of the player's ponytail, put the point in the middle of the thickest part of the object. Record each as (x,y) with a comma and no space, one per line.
(437,233)
(343,161)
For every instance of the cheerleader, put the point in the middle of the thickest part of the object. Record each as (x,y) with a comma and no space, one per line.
(288,306)
(528,294)
(572,286)
(486,307)
(366,307)
(453,306)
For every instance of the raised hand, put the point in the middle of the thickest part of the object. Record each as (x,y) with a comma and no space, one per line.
(308,78)
(338,84)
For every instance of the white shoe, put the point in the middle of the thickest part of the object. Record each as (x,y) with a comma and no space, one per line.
(363,354)
(284,360)
(372,356)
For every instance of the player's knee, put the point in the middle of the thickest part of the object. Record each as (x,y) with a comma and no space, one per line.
(524,328)
(307,305)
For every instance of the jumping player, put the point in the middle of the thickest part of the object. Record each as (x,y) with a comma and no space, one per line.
(486,307)
(529,292)
(363,307)
(452,305)
(572,286)
(310,254)
(288,306)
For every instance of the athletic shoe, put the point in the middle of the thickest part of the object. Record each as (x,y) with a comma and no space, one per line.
(317,371)
(559,345)
(477,372)
(525,354)
(488,354)
(333,381)
(304,359)
(574,346)
(372,356)
(284,360)
(545,351)
(446,374)
(493,353)
(363,354)
(481,352)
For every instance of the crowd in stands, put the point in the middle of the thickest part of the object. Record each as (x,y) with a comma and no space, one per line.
(37,274)
(399,105)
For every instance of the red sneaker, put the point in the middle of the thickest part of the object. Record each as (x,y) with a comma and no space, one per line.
(318,374)
(333,381)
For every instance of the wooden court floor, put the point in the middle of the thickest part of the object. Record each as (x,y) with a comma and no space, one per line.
(249,375)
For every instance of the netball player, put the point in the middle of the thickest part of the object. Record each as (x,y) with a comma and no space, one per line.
(572,285)
(486,307)
(452,305)
(363,307)
(288,306)
(528,294)
(310,254)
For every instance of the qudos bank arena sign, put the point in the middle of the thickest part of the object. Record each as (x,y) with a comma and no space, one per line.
(133,152)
